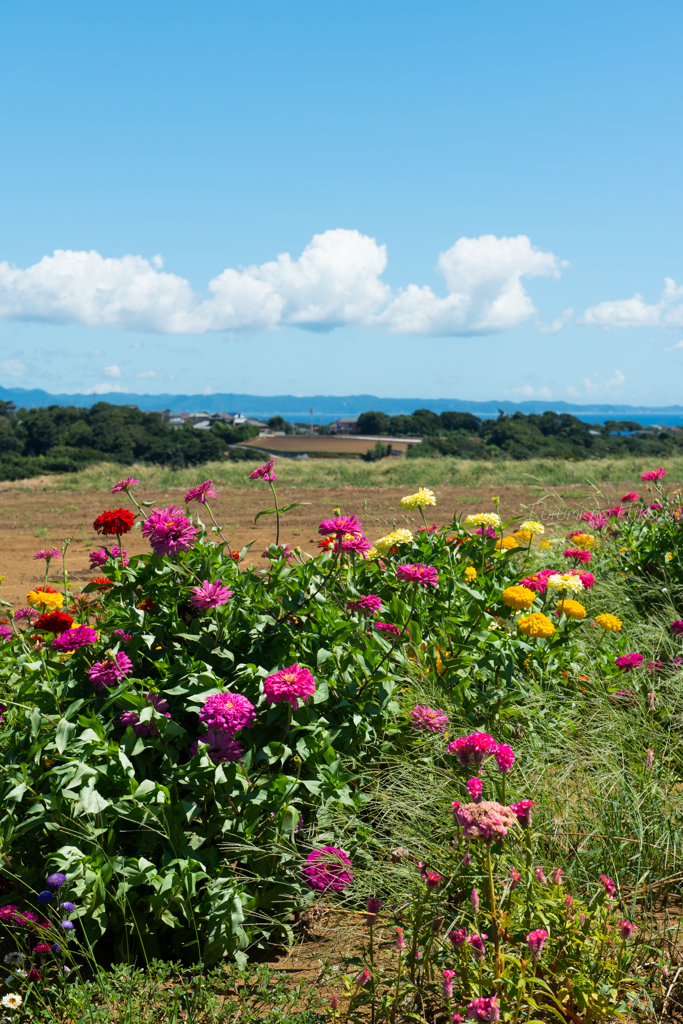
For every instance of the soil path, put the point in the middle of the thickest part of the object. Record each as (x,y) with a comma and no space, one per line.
(33,518)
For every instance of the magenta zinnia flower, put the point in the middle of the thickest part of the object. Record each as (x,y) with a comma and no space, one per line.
(418,573)
(428,718)
(595,519)
(26,613)
(369,604)
(169,530)
(654,474)
(210,595)
(538,582)
(108,672)
(291,685)
(472,750)
(340,526)
(388,627)
(101,556)
(578,554)
(124,484)
(676,627)
(628,661)
(227,712)
(328,868)
(587,578)
(630,497)
(47,554)
(5,632)
(72,639)
(265,472)
(222,747)
(124,636)
(200,493)
(361,545)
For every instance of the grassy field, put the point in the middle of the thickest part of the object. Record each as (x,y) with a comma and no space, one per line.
(387,473)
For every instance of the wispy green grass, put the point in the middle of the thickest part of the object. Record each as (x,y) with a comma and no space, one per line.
(388,473)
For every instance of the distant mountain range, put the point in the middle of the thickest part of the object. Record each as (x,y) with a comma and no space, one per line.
(328,407)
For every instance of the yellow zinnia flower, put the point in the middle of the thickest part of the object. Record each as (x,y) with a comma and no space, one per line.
(482,519)
(45,600)
(532,526)
(584,540)
(420,499)
(507,543)
(572,609)
(536,624)
(392,539)
(608,622)
(470,573)
(519,598)
(523,536)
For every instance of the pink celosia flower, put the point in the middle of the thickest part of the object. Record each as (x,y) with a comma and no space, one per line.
(264,472)
(522,812)
(418,573)
(654,474)
(626,930)
(432,880)
(428,718)
(328,868)
(109,672)
(628,661)
(369,604)
(630,497)
(222,747)
(538,582)
(475,788)
(363,977)
(169,530)
(448,984)
(535,941)
(340,526)
(227,712)
(473,750)
(400,939)
(101,556)
(578,554)
(72,639)
(608,885)
(487,821)
(474,901)
(210,595)
(201,493)
(373,907)
(388,627)
(47,554)
(677,627)
(458,937)
(124,484)
(291,684)
(477,944)
(124,636)
(540,876)
(568,902)
(505,757)
(515,878)
(457,1018)
(651,699)
(650,756)
(557,876)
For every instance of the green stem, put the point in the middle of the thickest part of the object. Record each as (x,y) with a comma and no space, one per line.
(220,532)
(277,513)
(494,915)
(65,545)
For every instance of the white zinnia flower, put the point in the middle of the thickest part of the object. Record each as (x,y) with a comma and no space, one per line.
(565,581)
(12,1001)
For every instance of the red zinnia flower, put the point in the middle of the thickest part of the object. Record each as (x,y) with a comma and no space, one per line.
(116,521)
(54,622)
(102,582)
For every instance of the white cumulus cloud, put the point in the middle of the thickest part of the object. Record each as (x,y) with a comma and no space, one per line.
(615,383)
(103,389)
(12,368)
(336,281)
(635,312)
(112,371)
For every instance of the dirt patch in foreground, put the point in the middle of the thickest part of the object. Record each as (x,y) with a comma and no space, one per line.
(33,518)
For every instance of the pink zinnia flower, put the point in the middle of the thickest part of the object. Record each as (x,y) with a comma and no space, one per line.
(477,944)
(291,685)
(630,497)
(328,868)
(8,912)
(505,757)
(475,788)
(522,812)
(264,472)
(47,554)
(676,627)
(124,636)
(27,919)
(626,930)
(169,530)
(608,885)
(578,554)
(369,604)
(595,519)
(124,484)
(654,474)
(200,493)
(109,672)
(5,632)
(26,613)
(227,712)
(428,718)
(210,595)
(222,747)
(418,573)
(72,639)
(628,661)
(473,750)
(101,556)
(448,984)
(538,582)
(587,578)
(388,627)
(361,545)
(536,941)
(340,526)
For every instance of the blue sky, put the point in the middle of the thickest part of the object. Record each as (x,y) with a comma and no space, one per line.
(487,198)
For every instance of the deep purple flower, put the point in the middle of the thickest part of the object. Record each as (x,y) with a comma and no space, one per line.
(222,747)
(373,907)
(210,595)
(45,896)
(109,672)
(328,868)
(67,926)
(73,639)
(201,493)
(169,530)
(67,907)
(56,881)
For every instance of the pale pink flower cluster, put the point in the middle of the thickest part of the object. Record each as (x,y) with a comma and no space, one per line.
(487,821)
(290,685)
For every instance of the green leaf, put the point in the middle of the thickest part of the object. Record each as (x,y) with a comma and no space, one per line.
(264,512)
(65,731)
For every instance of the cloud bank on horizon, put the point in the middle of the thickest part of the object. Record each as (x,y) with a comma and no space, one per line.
(335,282)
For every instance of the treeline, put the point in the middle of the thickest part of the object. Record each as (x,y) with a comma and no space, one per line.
(63,439)
(520,436)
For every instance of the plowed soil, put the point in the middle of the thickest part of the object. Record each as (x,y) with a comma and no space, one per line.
(36,517)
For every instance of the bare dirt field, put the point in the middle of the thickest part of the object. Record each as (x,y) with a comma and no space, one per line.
(32,517)
(343,444)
